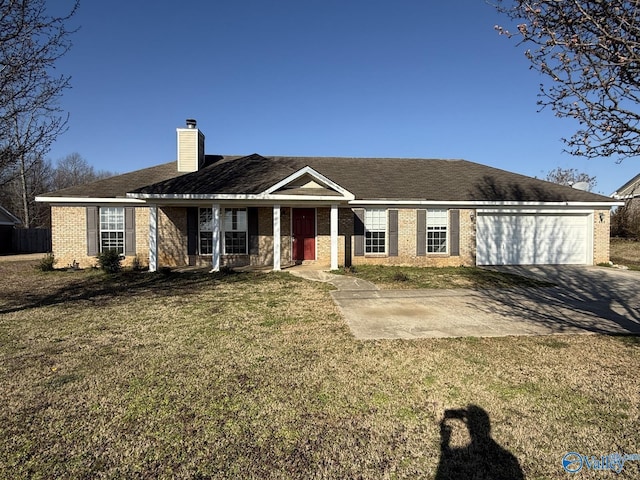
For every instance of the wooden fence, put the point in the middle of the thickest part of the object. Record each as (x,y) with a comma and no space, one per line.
(31,240)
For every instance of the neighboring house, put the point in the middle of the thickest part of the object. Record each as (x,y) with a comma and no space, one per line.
(8,223)
(627,220)
(629,191)
(214,210)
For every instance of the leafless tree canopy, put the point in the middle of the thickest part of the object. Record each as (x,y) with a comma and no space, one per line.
(31,42)
(590,52)
(570,176)
(18,194)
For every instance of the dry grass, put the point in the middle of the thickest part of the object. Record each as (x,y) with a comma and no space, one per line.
(398,277)
(625,252)
(256,376)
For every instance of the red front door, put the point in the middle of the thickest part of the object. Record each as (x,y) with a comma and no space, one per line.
(304,234)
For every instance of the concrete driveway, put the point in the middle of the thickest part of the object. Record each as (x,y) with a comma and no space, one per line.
(584,300)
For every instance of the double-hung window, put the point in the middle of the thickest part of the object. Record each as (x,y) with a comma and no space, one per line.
(235,231)
(437,231)
(375,230)
(234,227)
(112,229)
(205,231)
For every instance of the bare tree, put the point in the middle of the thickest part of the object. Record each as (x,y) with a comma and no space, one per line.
(18,194)
(31,42)
(75,170)
(570,176)
(590,52)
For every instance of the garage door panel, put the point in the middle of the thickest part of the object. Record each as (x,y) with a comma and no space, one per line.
(508,239)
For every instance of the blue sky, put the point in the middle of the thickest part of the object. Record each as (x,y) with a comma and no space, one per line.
(373,78)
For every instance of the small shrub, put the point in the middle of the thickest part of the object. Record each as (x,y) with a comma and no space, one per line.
(227,270)
(165,270)
(137,265)
(47,263)
(400,277)
(110,261)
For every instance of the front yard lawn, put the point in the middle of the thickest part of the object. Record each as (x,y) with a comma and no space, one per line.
(256,376)
(626,252)
(395,277)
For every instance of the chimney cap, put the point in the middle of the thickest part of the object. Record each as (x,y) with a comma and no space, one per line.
(191,123)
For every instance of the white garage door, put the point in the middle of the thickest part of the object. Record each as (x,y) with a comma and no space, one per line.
(532,239)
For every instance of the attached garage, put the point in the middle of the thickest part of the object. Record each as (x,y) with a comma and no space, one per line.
(533,238)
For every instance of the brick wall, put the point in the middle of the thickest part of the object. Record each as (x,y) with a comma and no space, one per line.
(172,237)
(601,236)
(69,239)
(407,243)
(265,239)
(69,236)
(142,236)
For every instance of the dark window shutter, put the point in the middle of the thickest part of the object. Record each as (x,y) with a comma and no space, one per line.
(454,233)
(393,233)
(358,231)
(421,232)
(192,230)
(252,225)
(130,230)
(92,232)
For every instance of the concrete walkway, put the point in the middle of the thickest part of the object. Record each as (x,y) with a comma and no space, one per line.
(585,300)
(344,283)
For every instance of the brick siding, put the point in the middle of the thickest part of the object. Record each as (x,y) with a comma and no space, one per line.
(601,236)
(407,238)
(69,237)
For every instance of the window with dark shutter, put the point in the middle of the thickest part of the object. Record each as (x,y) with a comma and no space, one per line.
(254,238)
(393,233)
(358,231)
(192,230)
(92,231)
(454,232)
(421,232)
(130,230)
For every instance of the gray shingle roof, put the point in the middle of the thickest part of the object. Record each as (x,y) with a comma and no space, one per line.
(366,178)
(118,185)
(374,179)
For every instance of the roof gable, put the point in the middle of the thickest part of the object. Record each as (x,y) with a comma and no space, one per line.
(628,190)
(308,182)
(8,218)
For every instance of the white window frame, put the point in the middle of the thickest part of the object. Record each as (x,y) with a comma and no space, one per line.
(373,224)
(205,230)
(437,223)
(225,229)
(110,226)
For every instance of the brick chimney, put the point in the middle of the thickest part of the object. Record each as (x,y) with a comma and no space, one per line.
(190,147)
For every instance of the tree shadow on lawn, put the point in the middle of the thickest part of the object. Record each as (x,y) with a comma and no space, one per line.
(598,300)
(97,287)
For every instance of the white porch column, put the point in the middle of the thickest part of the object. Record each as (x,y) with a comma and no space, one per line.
(153,238)
(276,237)
(334,237)
(215,257)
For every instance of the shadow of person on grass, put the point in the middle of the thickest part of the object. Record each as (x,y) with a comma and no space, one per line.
(482,457)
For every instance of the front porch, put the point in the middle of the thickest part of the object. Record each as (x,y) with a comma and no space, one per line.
(218,235)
